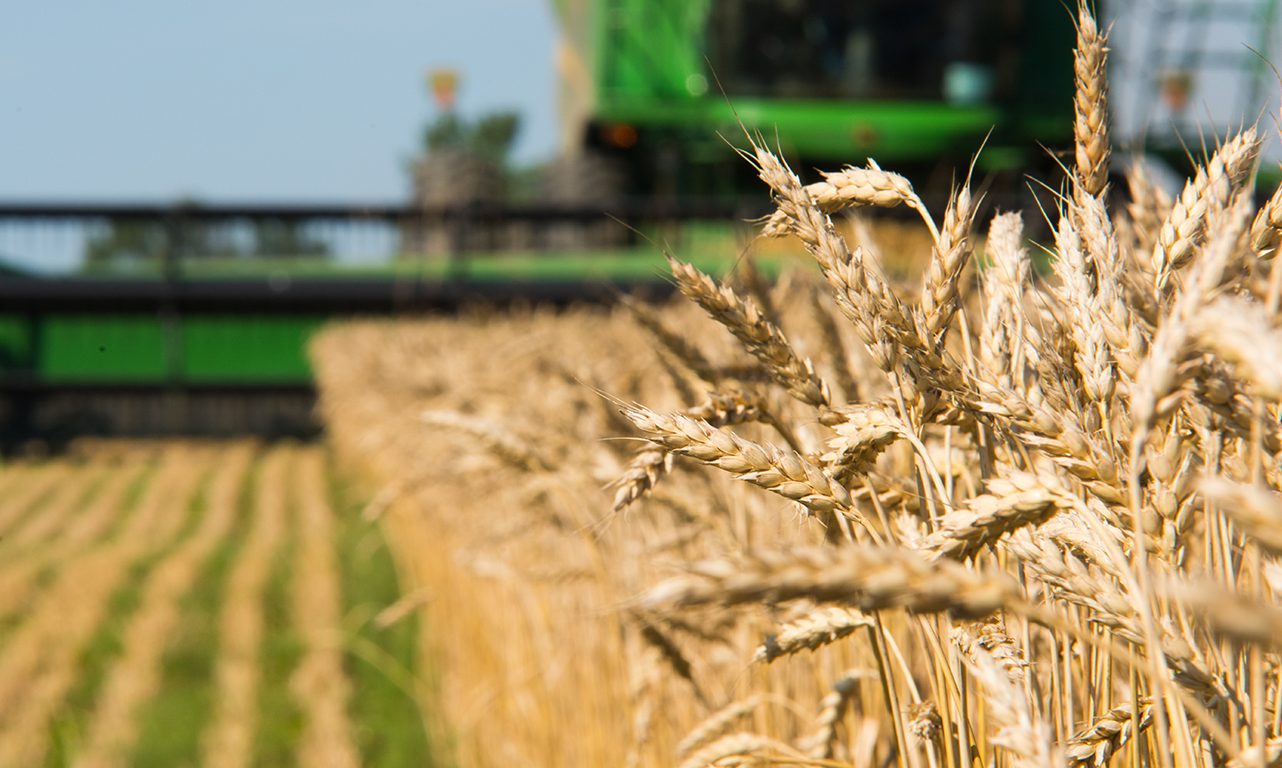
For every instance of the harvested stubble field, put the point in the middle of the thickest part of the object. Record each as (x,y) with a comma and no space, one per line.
(987,518)
(169,604)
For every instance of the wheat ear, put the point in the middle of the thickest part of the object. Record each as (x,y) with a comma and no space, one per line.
(680,348)
(1077,291)
(867,430)
(649,465)
(1241,333)
(1113,312)
(782,472)
(1004,282)
(1090,104)
(1012,502)
(1148,207)
(814,630)
(940,295)
(1266,230)
(668,650)
(832,710)
(854,188)
(1019,730)
(716,724)
(759,336)
(990,636)
(861,576)
(1268,755)
(1096,744)
(736,745)
(501,441)
(1205,194)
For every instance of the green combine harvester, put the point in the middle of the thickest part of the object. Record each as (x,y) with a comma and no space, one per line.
(653,91)
(658,87)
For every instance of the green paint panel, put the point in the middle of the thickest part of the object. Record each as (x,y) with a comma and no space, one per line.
(247,348)
(144,349)
(15,343)
(838,130)
(100,347)
(649,48)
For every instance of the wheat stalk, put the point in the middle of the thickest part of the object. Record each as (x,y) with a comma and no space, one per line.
(1258,509)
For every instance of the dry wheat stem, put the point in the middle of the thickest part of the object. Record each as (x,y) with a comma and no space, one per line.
(1257,509)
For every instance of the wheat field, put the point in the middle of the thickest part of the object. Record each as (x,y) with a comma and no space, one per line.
(185,603)
(987,517)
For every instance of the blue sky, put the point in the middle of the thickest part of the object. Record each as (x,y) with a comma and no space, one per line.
(267,100)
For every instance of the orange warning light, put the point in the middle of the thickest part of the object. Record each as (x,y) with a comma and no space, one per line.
(620,135)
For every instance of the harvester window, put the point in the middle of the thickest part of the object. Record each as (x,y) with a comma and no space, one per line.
(869,49)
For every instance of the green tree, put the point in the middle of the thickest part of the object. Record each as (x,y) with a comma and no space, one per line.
(127,243)
(493,136)
(145,244)
(490,136)
(274,238)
